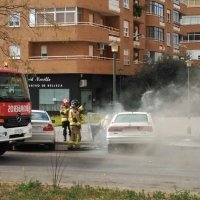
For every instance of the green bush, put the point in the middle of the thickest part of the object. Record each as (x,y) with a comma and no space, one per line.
(36,191)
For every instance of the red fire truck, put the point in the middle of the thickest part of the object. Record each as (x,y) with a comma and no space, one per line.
(15,107)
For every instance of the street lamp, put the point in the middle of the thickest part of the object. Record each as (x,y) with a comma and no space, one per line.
(120,83)
(114,48)
(189,64)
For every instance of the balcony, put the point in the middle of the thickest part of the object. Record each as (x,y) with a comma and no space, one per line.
(139,41)
(182,49)
(151,19)
(176,49)
(183,8)
(72,64)
(183,30)
(153,45)
(176,26)
(97,6)
(76,32)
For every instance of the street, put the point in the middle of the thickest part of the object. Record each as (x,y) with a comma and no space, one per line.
(167,170)
(173,166)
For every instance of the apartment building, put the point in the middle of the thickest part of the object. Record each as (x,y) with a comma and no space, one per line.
(192,39)
(67,43)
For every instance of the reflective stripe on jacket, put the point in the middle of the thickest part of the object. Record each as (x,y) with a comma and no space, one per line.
(65,110)
(72,116)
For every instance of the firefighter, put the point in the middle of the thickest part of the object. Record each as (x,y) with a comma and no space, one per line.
(64,113)
(75,124)
(100,137)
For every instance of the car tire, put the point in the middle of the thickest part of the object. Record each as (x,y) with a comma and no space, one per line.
(3,147)
(110,148)
(52,147)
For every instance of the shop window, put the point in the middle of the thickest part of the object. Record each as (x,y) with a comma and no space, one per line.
(51,99)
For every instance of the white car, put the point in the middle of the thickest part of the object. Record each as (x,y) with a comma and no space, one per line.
(43,131)
(128,128)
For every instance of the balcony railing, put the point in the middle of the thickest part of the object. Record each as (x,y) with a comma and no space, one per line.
(112,31)
(77,57)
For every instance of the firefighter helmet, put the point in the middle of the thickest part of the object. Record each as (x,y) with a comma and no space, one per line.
(75,103)
(65,100)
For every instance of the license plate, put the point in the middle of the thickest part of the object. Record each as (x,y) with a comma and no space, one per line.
(18,131)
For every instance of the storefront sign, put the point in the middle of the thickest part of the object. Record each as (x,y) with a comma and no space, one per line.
(43,82)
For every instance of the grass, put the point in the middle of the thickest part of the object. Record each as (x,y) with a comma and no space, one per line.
(34,190)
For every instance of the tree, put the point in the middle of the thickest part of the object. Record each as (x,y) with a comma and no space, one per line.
(166,79)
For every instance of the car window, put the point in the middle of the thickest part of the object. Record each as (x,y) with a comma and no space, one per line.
(131,118)
(39,116)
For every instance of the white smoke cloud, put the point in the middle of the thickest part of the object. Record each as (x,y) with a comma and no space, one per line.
(171,101)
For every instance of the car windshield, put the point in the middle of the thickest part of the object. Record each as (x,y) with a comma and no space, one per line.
(13,88)
(39,116)
(125,118)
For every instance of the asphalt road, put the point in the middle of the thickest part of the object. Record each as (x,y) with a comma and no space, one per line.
(168,169)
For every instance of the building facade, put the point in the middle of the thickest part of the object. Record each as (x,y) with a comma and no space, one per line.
(192,21)
(67,45)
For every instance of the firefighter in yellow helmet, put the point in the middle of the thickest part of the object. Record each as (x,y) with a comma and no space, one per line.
(75,124)
(64,114)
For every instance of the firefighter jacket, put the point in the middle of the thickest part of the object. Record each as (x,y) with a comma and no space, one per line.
(75,116)
(64,113)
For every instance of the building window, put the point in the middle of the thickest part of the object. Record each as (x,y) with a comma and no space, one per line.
(168,39)
(176,16)
(155,56)
(126,28)
(155,33)
(188,20)
(175,57)
(194,54)
(168,16)
(126,3)
(44,51)
(176,2)
(126,57)
(14,52)
(156,9)
(192,37)
(14,20)
(51,99)
(176,41)
(61,16)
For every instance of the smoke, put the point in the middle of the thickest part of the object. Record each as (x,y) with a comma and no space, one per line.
(173,112)
(171,101)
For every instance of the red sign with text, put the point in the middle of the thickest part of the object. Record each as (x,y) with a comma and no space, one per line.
(12,108)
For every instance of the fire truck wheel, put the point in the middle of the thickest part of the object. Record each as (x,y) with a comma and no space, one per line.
(3,147)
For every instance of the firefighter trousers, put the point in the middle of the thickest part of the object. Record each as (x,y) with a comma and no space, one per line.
(75,137)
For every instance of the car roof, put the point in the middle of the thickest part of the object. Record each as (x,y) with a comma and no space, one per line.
(132,113)
(42,111)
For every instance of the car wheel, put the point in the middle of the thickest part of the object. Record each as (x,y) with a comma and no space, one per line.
(3,147)
(110,148)
(52,147)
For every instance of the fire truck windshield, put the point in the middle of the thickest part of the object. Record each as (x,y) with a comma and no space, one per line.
(13,88)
